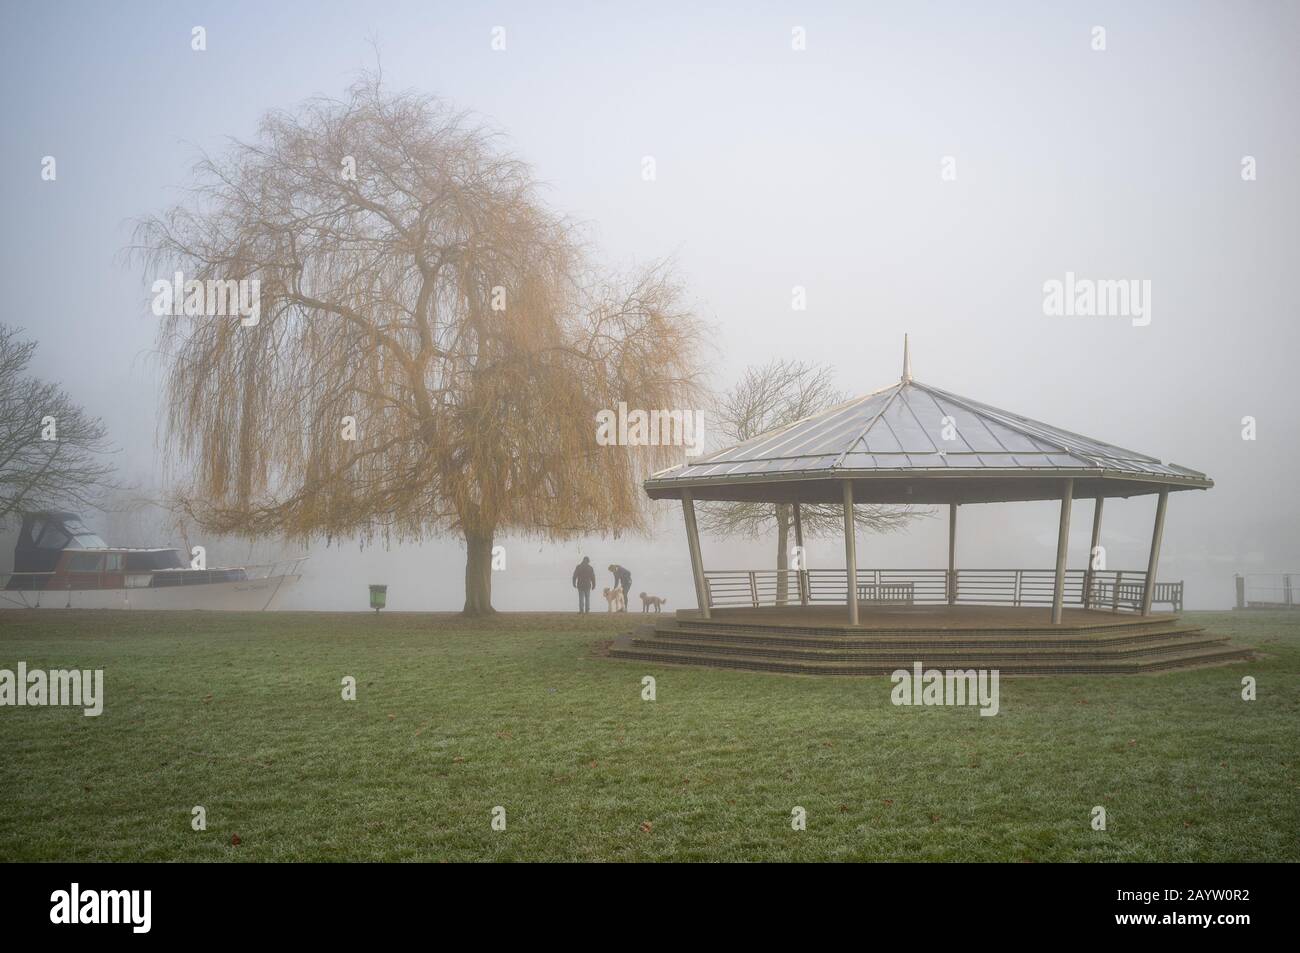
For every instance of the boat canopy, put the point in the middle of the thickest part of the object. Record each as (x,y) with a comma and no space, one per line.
(47,533)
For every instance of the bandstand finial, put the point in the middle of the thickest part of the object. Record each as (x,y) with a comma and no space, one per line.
(907,362)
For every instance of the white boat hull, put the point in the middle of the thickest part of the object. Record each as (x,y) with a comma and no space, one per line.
(250,595)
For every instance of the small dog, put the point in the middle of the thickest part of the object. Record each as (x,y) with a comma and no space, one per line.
(615,599)
(657,601)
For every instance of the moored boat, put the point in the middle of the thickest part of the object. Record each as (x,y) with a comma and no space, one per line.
(59,562)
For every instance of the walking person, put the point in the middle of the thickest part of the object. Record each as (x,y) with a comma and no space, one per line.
(584,580)
(622,580)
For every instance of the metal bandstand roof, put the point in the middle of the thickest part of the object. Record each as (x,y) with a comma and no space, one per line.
(913,443)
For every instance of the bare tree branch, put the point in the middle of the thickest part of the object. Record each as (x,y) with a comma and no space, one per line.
(50,448)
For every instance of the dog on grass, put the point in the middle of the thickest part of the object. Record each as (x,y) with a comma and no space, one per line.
(615,599)
(656,601)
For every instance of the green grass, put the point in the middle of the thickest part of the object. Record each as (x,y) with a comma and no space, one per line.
(242,714)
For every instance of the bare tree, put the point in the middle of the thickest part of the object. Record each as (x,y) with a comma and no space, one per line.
(49,446)
(774,395)
(411,280)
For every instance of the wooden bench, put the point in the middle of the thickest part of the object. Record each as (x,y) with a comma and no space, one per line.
(886,593)
(1129,594)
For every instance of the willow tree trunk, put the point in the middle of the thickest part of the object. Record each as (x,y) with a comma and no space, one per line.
(478,574)
(783,517)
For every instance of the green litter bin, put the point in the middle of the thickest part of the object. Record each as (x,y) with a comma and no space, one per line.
(378,597)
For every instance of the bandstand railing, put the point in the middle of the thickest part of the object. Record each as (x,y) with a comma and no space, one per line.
(1268,590)
(1115,590)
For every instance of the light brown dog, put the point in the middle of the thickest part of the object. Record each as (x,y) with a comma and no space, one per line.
(615,599)
(656,601)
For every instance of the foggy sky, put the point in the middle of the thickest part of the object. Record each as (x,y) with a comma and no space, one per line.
(775,168)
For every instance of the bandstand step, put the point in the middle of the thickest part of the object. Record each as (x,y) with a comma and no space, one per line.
(1109,646)
(930,652)
(914,640)
(1205,655)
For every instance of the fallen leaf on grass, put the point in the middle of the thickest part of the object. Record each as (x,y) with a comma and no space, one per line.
(646,827)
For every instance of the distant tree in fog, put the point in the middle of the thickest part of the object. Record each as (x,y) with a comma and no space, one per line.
(50,448)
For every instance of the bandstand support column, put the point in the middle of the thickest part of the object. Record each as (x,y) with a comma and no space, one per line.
(1092,552)
(850,553)
(952,554)
(697,561)
(1062,545)
(1148,590)
(802,567)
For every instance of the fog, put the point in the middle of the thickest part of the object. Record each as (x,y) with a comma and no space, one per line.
(776,168)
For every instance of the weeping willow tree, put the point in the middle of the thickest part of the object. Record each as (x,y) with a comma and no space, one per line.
(766,398)
(432,345)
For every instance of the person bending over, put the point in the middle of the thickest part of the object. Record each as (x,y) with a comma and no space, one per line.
(622,579)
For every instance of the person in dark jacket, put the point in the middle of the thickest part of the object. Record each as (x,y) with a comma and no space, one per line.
(584,580)
(622,579)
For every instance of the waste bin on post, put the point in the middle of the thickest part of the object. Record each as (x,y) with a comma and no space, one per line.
(378,597)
